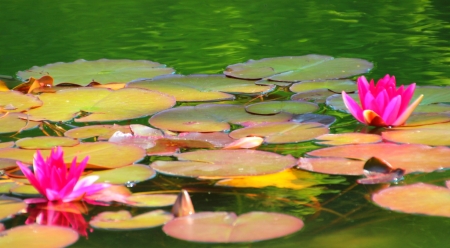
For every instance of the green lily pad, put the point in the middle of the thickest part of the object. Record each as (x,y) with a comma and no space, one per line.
(15,122)
(45,142)
(201,87)
(104,71)
(317,96)
(38,236)
(209,118)
(7,144)
(299,68)
(102,155)
(433,135)
(224,227)
(419,198)
(274,107)
(333,85)
(123,220)
(432,94)
(103,132)
(132,173)
(101,104)
(433,108)
(151,200)
(224,163)
(347,139)
(283,132)
(14,101)
(5,187)
(25,191)
(326,120)
(10,206)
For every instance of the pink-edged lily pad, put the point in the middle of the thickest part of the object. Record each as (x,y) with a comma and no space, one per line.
(333,85)
(335,166)
(168,147)
(10,206)
(15,122)
(224,227)
(41,236)
(347,139)
(14,101)
(274,107)
(7,164)
(411,158)
(201,87)
(151,200)
(419,198)
(224,163)
(210,118)
(132,173)
(283,132)
(103,132)
(123,220)
(433,135)
(101,104)
(104,71)
(218,139)
(45,142)
(299,68)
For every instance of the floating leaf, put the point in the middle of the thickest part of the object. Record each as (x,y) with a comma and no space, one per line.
(326,120)
(419,198)
(14,101)
(335,166)
(168,147)
(201,87)
(45,142)
(102,104)
(347,139)
(6,186)
(218,139)
(223,227)
(38,236)
(14,122)
(103,132)
(433,108)
(433,135)
(151,200)
(224,163)
(299,68)
(83,72)
(209,118)
(123,220)
(283,132)
(274,107)
(6,145)
(10,206)
(432,94)
(333,85)
(245,143)
(132,173)
(25,190)
(317,96)
(7,164)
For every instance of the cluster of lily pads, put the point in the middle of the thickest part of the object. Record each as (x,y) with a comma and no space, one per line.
(218,141)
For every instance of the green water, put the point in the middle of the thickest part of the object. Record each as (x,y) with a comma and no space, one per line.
(406,38)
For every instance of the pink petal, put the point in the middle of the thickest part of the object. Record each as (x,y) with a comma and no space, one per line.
(85,182)
(405,115)
(363,88)
(35,200)
(406,97)
(31,177)
(353,107)
(52,195)
(391,111)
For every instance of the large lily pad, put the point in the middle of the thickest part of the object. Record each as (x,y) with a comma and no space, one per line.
(432,94)
(123,220)
(299,68)
(283,132)
(10,206)
(333,85)
(151,200)
(38,236)
(223,227)
(14,101)
(335,166)
(209,118)
(45,142)
(83,72)
(201,87)
(101,104)
(433,135)
(103,132)
(224,163)
(15,122)
(128,174)
(347,139)
(419,198)
(274,107)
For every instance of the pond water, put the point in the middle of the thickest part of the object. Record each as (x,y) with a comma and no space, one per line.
(408,39)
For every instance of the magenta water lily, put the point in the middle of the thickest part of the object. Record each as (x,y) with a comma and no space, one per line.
(382,104)
(56,182)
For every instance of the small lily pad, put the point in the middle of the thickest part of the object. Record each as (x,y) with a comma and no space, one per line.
(132,173)
(25,190)
(333,85)
(45,142)
(274,107)
(123,220)
(10,206)
(326,120)
(317,96)
(103,132)
(151,200)
(224,227)
(15,122)
(347,139)
(5,187)
(38,236)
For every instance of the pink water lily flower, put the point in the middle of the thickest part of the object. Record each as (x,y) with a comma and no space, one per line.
(382,104)
(56,182)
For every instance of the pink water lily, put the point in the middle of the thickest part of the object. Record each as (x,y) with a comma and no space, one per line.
(53,180)
(382,104)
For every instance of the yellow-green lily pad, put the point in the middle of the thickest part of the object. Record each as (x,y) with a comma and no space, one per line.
(103,132)
(151,200)
(132,173)
(10,206)
(274,107)
(15,122)
(25,190)
(15,101)
(347,139)
(333,85)
(123,220)
(45,142)
(38,236)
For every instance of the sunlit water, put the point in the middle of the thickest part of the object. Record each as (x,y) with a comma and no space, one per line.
(409,39)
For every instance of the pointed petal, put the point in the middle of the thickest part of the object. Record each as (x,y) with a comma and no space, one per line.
(406,97)
(31,177)
(391,111)
(405,115)
(353,107)
(373,119)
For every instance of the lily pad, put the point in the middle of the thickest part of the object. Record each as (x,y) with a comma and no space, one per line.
(326,120)
(38,236)
(433,135)
(103,132)
(5,187)
(433,108)
(274,107)
(333,85)
(201,87)
(83,72)
(419,198)
(151,200)
(168,147)
(6,145)
(132,173)
(224,227)
(45,142)
(334,166)
(14,101)
(123,220)
(209,118)
(7,164)
(224,163)
(15,122)
(317,96)
(283,132)
(299,68)
(25,190)
(10,206)
(347,139)
(101,104)
(432,94)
